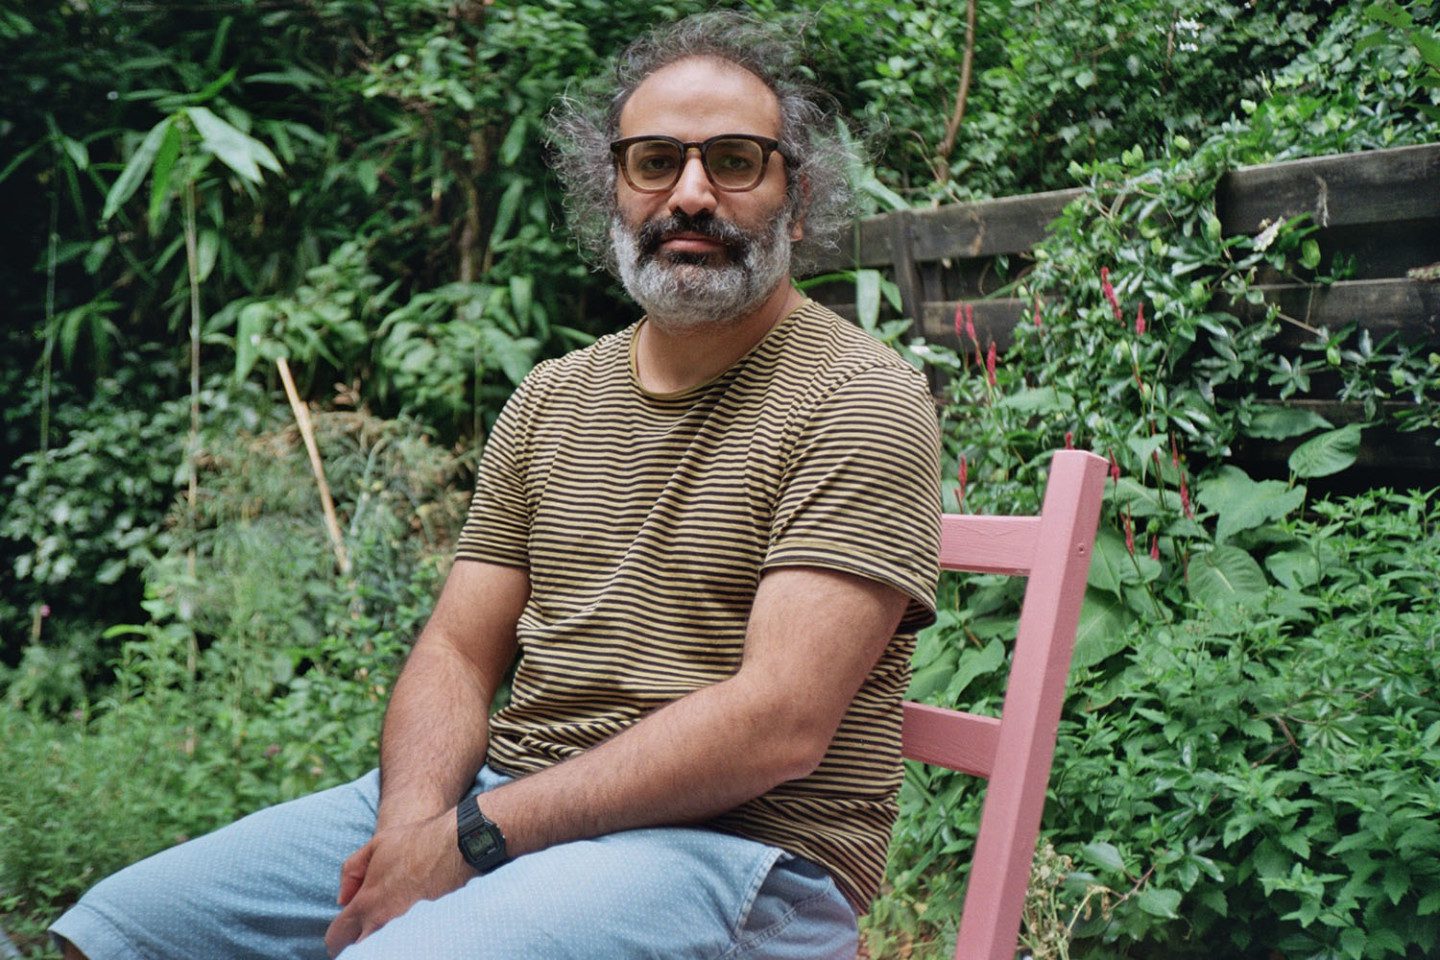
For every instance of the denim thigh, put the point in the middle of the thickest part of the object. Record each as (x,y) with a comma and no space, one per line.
(265,887)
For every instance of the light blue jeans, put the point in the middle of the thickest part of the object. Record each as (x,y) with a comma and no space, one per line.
(265,887)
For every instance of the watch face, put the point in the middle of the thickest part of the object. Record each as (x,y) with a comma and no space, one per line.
(479,845)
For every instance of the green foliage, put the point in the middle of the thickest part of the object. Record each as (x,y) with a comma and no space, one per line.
(1254,673)
(258,674)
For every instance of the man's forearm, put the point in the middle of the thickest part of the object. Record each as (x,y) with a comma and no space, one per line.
(814,637)
(434,737)
(691,760)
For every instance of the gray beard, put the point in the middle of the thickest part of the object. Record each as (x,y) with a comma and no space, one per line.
(687,296)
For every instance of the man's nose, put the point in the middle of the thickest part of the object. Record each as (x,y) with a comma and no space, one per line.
(693,193)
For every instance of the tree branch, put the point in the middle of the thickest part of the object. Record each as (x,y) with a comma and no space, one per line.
(952,129)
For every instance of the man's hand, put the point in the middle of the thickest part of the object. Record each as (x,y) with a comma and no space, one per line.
(400,866)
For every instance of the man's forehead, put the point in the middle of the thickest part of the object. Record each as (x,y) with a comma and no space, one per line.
(701,93)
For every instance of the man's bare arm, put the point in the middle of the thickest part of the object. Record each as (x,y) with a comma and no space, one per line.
(813,637)
(437,723)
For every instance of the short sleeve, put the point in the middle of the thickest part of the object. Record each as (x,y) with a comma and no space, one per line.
(861,490)
(497,526)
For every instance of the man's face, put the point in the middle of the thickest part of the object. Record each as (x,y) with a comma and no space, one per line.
(695,254)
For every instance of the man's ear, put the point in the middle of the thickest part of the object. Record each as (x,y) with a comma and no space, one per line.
(797,219)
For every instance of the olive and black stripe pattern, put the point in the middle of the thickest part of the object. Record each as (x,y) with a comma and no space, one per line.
(646,522)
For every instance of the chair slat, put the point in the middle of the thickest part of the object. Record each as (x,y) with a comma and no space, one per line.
(988,544)
(949,738)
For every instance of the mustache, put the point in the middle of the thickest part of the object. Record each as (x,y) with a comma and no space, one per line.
(655,232)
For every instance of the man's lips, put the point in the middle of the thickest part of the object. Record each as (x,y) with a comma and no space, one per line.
(691,243)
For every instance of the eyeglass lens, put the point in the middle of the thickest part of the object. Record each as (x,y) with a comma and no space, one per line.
(733,164)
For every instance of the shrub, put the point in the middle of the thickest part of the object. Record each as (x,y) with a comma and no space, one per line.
(261,672)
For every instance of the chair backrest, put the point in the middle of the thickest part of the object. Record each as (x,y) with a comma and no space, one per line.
(1014,750)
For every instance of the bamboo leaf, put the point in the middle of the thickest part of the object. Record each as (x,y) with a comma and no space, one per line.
(134,173)
(240,152)
(867,297)
(164,166)
(505,212)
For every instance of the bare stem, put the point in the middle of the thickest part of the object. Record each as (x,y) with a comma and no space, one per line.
(317,467)
(952,129)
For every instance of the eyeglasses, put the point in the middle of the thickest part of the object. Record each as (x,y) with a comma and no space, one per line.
(734,162)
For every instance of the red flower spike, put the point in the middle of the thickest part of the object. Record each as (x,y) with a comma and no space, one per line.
(1185,497)
(1109,291)
(1114,468)
(970,324)
(1154,548)
(1129,534)
(1038,322)
(960,493)
(979,358)
(1174,453)
(1140,321)
(990,364)
(959,319)
(1069,440)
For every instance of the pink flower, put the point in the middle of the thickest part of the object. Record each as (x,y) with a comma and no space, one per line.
(1038,322)
(1185,496)
(1114,468)
(1140,321)
(970,323)
(990,364)
(1129,533)
(1109,291)
(44,610)
(1174,453)
(959,319)
(1154,548)
(1069,440)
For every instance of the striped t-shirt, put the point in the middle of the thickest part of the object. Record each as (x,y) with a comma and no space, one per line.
(646,521)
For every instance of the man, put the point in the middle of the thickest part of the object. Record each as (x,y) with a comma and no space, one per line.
(708,538)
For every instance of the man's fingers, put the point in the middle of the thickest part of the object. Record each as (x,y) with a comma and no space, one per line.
(352,873)
(342,932)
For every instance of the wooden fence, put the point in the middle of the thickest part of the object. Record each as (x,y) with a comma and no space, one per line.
(1381,208)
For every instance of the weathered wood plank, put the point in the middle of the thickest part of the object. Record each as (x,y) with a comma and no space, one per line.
(982,229)
(1405,307)
(987,228)
(1372,187)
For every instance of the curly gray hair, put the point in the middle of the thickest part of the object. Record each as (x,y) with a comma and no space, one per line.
(584,122)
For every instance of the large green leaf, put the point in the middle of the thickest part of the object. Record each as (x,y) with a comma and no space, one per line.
(1328,453)
(1225,576)
(1282,423)
(1103,629)
(135,169)
(1037,399)
(975,663)
(1240,503)
(1296,569)
(238,151)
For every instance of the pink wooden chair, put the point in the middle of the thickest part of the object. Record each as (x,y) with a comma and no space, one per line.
(1014,750)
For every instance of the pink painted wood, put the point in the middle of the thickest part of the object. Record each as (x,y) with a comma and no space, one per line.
(1014,751)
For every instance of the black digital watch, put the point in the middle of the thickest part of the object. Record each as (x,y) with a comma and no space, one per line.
(481,842)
